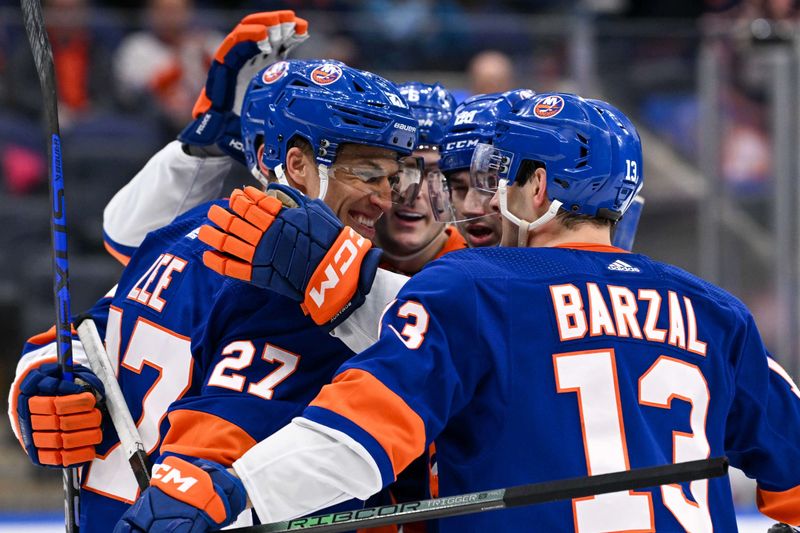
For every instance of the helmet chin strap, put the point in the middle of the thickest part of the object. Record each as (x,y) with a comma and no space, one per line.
(257,174)
(523,226)
(323,180)
(281,175)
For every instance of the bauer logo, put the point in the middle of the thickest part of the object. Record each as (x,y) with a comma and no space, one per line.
(549,106)
(405,127)
(326,74)
(275,72)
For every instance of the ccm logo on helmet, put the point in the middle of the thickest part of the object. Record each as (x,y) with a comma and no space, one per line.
(549,106)
(275,72)
(326,74)
(456,145)
(168,474)
(338,267)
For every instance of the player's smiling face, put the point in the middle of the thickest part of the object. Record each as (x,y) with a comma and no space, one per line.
(406,229)
(360,201)
(481,226)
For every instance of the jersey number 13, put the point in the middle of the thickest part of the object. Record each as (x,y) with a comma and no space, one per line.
(592,375)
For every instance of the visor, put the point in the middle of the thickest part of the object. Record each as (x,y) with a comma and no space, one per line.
(405,181)
(489,166)
(439,194)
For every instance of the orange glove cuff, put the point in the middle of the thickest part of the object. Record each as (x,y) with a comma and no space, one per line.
(335,280)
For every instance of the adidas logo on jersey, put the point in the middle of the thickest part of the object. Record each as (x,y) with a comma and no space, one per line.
(622,266)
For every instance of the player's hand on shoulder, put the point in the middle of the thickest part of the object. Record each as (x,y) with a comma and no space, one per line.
(59,422)
(284,242)
(257,41)
(186,497)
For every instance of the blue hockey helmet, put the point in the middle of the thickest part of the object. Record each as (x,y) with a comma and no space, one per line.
(590,149)
(327,104)
(433,106)
(473,123)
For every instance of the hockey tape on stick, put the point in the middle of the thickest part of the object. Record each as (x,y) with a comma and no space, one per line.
(115,402)
(43,57)
(476,502)
(625,229)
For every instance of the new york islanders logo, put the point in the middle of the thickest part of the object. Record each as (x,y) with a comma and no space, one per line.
(326,74)
(549,106)
(275,72)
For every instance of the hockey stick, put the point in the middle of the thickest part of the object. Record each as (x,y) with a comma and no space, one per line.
(476,502)
(625,229)
(121,417)
(43,57)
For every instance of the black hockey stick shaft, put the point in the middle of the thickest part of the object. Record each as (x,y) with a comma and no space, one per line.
(43,57)
(476,502)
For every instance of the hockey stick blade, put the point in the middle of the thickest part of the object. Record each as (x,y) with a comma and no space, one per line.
(43,57)
(129,437)
(476,502)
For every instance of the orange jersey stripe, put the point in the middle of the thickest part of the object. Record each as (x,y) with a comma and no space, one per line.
(361,398)
(122,258)
(46,337)
(591,247)
(782,506)
(205,436)
(454,242)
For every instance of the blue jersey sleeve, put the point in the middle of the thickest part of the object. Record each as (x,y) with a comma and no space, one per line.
(763,429)
(395,397)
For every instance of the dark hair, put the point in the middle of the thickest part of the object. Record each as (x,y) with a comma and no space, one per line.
(567,219)
(302,144)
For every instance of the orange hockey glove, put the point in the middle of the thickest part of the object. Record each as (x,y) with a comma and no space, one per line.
(304,253)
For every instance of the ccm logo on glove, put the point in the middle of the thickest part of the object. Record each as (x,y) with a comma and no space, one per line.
(348,248)
(169,474)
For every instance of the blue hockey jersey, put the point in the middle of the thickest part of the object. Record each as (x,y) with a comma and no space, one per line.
(148,326)
(147,322)
(529,365)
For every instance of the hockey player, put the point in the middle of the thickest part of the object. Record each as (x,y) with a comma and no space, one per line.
(58,423)
(410,235)
(473,122)
(155,320)
(576,357)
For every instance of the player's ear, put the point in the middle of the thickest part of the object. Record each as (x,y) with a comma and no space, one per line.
(301,171)
(539,182)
